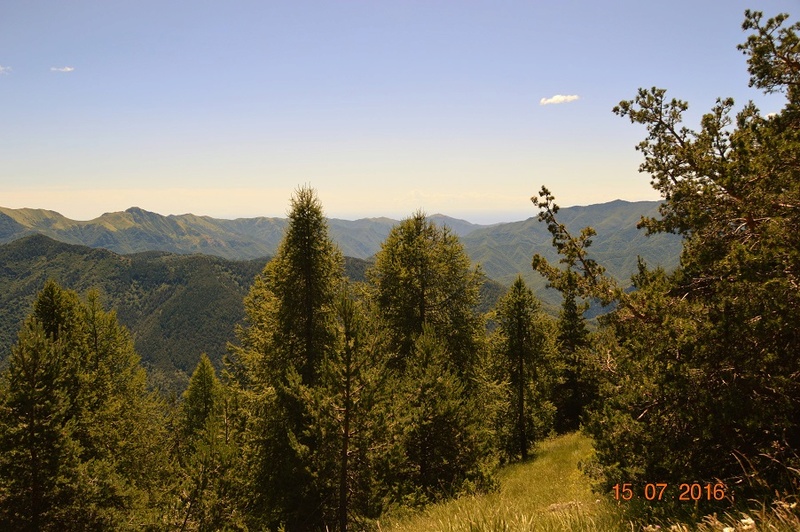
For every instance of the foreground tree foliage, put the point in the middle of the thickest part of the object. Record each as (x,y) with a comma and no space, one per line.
(426,296)
(77,423)
(349,410)
(206,454)
(701,372)
(576,385)
(349,400)
(422,276)
(523,360)
(576,388)
(290,333)
(444,434)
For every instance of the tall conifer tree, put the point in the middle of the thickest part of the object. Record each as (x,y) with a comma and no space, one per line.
(426,293)
(37,451)
(206,454)
(77,423)
(349,411)
(422,276)
(290,331)
(576,388)
(523,349)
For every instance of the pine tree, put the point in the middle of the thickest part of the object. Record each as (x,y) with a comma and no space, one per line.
(701,365)
(290,332)
(349,409)
(422,276)
(206,454)
(426,294)
(201,400)
(77,407)
(576,389)
(302,278)
(524,348)
(37,452)
(444,432)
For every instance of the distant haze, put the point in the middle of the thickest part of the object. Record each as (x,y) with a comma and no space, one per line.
(236,203)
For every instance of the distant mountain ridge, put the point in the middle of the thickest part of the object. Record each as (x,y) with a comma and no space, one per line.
(135,230)
(503,250)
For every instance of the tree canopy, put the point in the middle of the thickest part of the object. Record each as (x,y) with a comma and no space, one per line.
(422,276)
(76,423)
(700,381)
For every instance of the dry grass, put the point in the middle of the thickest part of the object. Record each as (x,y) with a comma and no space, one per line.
(548,493)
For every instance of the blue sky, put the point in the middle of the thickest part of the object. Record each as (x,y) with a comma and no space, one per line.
(224,108)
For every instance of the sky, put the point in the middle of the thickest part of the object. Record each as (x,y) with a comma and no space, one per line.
(464,107)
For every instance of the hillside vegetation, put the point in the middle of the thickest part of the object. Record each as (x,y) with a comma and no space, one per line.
(505,250)
(347,405)
(179,305)
(176,306)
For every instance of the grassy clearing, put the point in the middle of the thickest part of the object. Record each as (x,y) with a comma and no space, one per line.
(548,493)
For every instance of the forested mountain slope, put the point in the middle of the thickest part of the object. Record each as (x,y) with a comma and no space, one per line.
(180,305)
(176,306)
(505,250)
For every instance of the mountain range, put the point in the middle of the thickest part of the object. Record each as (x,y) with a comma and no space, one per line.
(135,230)
(503,249)
(177,282)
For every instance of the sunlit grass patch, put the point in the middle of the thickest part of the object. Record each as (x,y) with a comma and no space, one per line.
(548,493)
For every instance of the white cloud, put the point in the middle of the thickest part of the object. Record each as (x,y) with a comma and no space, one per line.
(62,69)
(4,69)
(559,98)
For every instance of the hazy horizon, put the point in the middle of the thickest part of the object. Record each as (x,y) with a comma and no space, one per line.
(486,219)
